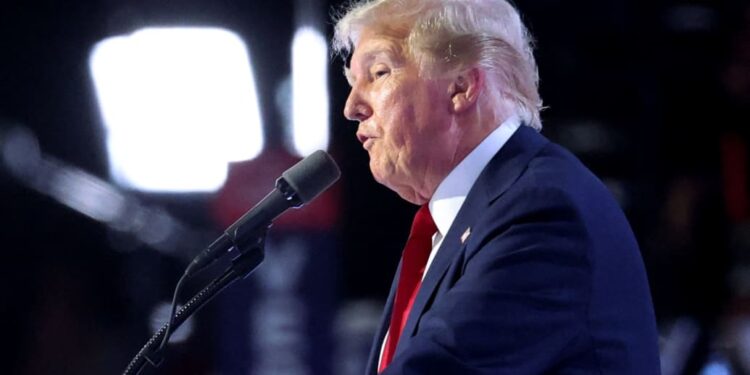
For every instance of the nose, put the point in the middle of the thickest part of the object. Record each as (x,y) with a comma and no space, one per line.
(357,108)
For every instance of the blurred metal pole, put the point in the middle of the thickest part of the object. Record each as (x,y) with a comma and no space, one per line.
(22,158)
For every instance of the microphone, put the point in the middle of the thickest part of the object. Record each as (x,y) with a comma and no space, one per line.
(296,187)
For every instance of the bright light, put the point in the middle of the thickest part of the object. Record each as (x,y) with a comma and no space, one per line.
(178,104)
(309,91)
(717,368)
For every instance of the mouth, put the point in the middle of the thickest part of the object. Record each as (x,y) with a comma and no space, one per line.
(366,141)
(367,144)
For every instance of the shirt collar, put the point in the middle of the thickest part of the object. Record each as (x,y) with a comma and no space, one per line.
(452,191)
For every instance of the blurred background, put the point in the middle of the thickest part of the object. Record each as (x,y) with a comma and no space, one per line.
(133,132)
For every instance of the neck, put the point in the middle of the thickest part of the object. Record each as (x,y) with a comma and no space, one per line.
(474,126)
(468,129)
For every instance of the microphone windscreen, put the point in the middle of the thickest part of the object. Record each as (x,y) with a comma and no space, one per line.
(312,175)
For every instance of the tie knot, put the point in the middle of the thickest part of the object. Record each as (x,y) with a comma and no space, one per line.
(423,225)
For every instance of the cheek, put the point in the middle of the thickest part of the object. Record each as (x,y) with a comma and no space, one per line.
(390,123)
(404,121)
(400,117)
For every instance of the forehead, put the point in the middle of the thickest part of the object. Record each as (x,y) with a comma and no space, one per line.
(371,45)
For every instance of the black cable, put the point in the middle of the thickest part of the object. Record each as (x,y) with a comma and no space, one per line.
(140,359)
(172,311)
(241,266)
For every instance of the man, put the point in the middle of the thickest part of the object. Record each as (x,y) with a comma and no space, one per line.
(519,261)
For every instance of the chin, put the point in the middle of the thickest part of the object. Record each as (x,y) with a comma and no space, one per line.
(380,172)
(377,175)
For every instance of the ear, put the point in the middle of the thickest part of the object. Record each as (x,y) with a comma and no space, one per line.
(465,89)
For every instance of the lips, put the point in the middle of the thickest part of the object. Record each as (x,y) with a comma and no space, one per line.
(366,140)
(367,144)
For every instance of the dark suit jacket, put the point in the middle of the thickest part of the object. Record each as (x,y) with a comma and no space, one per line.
(549,281)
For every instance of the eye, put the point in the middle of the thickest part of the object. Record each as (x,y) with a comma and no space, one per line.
(380,71)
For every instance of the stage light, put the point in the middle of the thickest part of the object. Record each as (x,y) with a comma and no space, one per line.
(177,104)
(309,92)
(716,367)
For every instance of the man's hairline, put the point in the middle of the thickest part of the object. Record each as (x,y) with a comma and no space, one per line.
(397,50)
(402,50)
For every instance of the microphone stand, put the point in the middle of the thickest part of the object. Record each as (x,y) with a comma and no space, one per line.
(242,265)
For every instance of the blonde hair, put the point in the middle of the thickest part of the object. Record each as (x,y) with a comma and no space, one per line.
(452,35)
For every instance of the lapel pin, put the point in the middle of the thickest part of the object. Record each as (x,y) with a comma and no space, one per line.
(466,234)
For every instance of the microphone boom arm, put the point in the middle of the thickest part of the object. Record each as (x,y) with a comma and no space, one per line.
(242,265)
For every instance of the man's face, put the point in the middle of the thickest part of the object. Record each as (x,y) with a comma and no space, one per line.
(405,120)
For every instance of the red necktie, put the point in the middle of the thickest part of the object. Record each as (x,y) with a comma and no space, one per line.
(413,263)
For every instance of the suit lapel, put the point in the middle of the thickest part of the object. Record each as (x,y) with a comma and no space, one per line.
(501,172)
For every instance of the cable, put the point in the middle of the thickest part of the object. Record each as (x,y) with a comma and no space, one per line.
(172,311)
(241,266)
